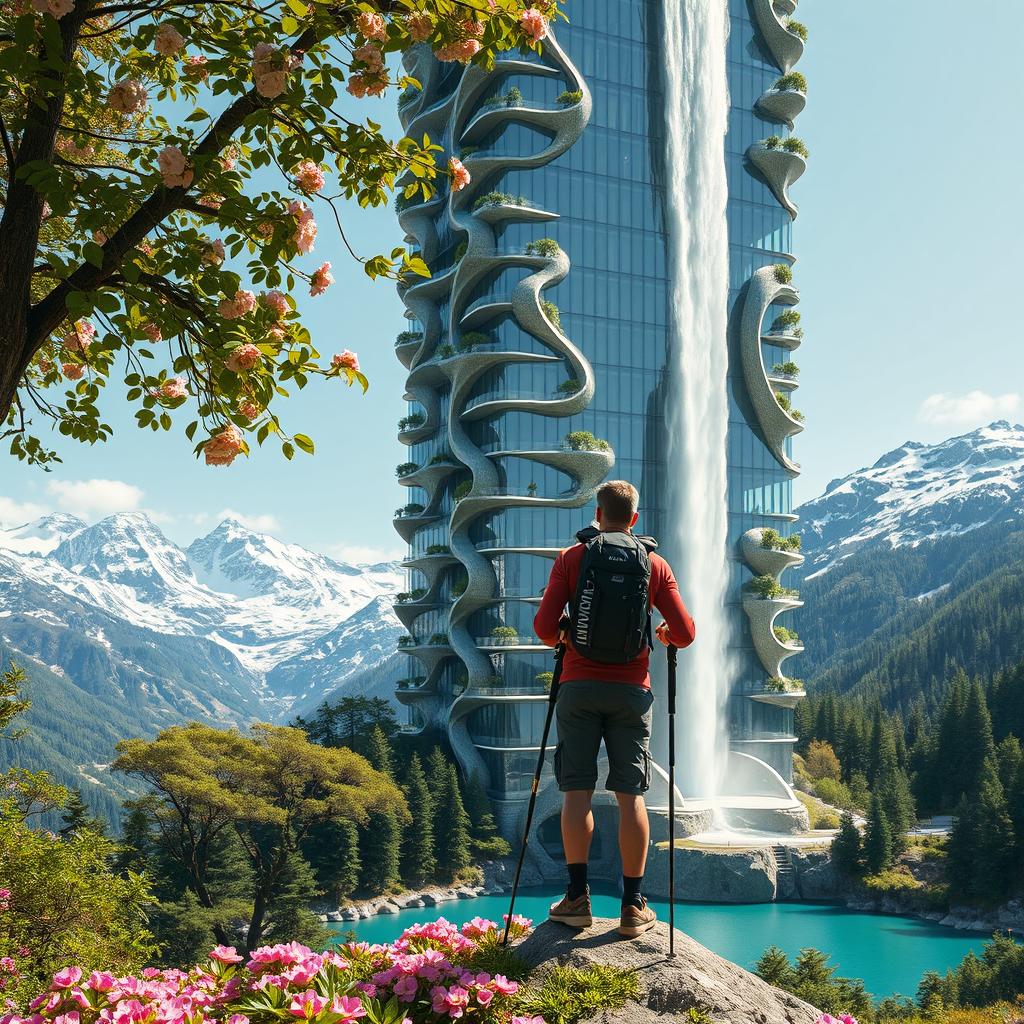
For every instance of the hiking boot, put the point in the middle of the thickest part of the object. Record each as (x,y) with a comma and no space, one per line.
(636,920)
(575,913)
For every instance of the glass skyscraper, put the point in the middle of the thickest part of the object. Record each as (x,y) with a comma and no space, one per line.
(538,355)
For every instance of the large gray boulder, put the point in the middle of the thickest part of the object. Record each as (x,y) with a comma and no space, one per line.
(740,876)
(696,978)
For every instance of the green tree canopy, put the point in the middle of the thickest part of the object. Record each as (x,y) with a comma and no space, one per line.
(159,160)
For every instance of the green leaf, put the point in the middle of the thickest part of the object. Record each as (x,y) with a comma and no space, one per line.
(288,450)
(298,7)
(93,254)
(304,443)
(289,25)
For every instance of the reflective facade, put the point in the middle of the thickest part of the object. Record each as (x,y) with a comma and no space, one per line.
(515,403)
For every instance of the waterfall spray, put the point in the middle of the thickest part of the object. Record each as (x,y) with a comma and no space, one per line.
(696,121)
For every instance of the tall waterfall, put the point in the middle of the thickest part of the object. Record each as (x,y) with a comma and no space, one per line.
(696,120)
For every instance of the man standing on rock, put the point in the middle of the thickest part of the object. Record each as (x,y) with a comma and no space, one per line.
(610,581)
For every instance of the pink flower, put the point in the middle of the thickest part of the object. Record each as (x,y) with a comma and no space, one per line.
(421,27)
(250,410)
(270,67)
(128,96)
(228,159)
(533,24)
(462,50)
(174,388)
(275,302)
(225,955)
(372,25)
(213,254)
(168,40)
(309,177)
(406,988)
(478,928)
(346,359)
(459,175)
(503,986)
(101,981)
(348,1007)
(58,8)
(214,202)
(370,55)
(473,29)
(305,226)
(484,996)
(321,280)
(45,366)
(238,1018)
(67,977)
(244,302)
(307,1004)
(174,167)
(152,331)
(527,1020)
(361,85)
(80,338)
(243,357)
(221,450)
(195,68)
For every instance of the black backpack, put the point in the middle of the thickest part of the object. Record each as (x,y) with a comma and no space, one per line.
(611,611)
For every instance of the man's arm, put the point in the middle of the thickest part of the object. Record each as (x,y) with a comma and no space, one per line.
(552,605)
(668,601)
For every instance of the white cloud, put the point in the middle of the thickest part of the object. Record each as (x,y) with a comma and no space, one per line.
(95,498)
(364,554)
(17,513)
(265,523)
(972,409)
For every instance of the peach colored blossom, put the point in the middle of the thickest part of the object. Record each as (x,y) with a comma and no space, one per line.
(533,24)
(68,148)
(168,40)
(211,200)
(229,158)
(370,55)
(372,25)
(128,96)
(265,228)
(270,67)
(276,333)
(305,226)
(421,27)
(249,409)
(459,175)
(361,85)
(100,237)
(195,68)
(223,447)
(275,302)
(73,371)
(348,360)
(58,8)
(45,366)
(80,338)
(462,50)
(152,331)
(473,29)
(173,388)
(174,168)
(309,176)
(243,357)
(145,248)
(321,280)
(244,302)
(213,254)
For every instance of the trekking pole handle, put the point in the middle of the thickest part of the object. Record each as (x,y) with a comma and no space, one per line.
(672,652)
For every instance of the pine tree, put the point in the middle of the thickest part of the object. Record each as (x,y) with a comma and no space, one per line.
(878,839)
(994,859)
(960,848)
(379,752)
(775,968)
(451,827)
(846,847)
(418,862)
(380,845)
(485,840)
(332,850)
(135,848)
(976,740)
(77,817)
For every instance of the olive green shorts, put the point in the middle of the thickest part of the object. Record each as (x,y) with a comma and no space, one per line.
(620,714)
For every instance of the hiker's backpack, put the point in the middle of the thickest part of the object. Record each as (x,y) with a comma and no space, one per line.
(611,611)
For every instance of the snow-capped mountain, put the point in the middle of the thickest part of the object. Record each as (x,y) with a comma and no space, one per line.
(918,493)
(41,536)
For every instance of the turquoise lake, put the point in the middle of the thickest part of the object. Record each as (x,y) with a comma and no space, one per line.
(889,953)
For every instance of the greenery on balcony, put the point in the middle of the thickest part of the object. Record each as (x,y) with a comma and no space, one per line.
(772,540)
(438,549)
(438,640)
(441,458)
(413,420)
(410,682)
(786,636)
(512,98)
(505,633)
(412,509)
(783,273)
(407,641)
(407,336)
(788,369)
(795,145)
(546,247)
(462,490)
(445,351)
(473,338)
(769,588)
(545,679)
(459,587)
(570,97)
(413,595)
(531,488)
(500,199)
(794,80)
(405,468)
(584,441)
(798,28)
(569,387)
(786,319)
(787,406)
(460,251)
(780,684)
(551,312)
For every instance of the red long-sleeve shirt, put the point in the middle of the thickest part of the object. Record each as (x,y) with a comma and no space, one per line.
(561,588)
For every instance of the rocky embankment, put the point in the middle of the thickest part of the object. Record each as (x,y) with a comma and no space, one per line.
(696,979)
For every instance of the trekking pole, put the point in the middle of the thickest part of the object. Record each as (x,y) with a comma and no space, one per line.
(552,697)
(672,651)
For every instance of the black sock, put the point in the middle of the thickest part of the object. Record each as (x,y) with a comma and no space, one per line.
(631,891)
(577,881)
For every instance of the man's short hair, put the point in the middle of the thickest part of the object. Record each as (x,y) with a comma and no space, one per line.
(617,500)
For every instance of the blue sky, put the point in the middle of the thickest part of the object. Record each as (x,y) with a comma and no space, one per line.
(908,264)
